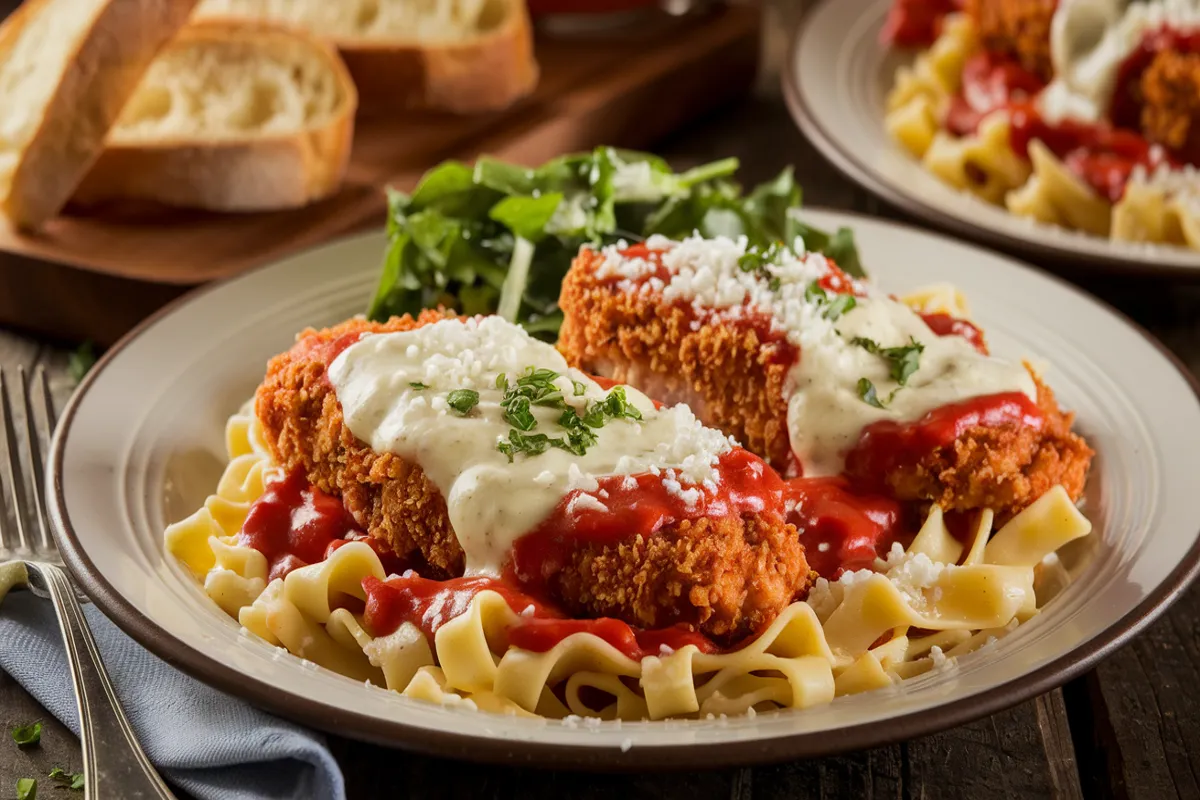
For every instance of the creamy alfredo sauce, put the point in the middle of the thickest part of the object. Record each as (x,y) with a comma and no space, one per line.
(826,414)
(492,502)
(1089,40)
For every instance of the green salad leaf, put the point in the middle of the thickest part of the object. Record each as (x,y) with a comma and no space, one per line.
(499,238)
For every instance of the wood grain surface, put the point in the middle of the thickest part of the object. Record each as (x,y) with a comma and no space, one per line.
(1129,729)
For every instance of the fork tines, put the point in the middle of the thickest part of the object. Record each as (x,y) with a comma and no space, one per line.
(24,529)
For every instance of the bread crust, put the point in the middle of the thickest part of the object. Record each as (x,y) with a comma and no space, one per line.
(97,79)
(251,173)
(488,72)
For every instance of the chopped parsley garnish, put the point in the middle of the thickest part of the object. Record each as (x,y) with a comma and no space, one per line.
(613,406)
(463,400)
(73,780)
(518,414)
(27,735)
(518,442)
(866,392)
(757,259)
(840,305)
(902,361)
(537,387)
(26,789)
(418,385)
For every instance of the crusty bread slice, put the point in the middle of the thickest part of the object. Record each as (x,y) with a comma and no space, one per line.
(66,69)
(458,55)
(232,116)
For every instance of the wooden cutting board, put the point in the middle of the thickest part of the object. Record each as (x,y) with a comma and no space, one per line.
(94,273)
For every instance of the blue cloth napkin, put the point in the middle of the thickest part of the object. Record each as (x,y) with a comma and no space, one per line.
(204,741)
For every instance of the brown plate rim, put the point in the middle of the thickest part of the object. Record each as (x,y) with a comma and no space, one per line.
(853,167)
(396,733)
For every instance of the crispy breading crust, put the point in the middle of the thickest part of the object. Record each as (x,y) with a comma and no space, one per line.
(731,378)
(642,339)
(728,576)
(302,423)
(1019,28)
(1004,468)
(1170,89)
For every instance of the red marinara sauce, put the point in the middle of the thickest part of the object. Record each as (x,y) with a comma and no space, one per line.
(1128,102)
(947,325)
(430,604)
(840,529)
(295,524)
(641,505)
(1102,156)
(916,23)
(885,446)
(990,82)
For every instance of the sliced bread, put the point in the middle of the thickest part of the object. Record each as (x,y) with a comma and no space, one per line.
(66,69)
(232,116)
(458,55)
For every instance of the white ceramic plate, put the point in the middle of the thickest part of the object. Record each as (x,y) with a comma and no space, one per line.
(836,81)
(141,445)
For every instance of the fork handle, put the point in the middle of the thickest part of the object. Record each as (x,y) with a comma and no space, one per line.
(115,765)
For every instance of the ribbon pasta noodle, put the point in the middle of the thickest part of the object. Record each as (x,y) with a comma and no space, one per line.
(1162,207)
(938,598)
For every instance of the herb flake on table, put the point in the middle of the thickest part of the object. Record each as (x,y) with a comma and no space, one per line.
(67,780)
(81,361)
(498,238)
(27,735)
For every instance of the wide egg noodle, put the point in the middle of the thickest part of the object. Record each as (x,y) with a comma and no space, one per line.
(983,163)
(986,165)
(937,600)
(1055,194)
(921,93)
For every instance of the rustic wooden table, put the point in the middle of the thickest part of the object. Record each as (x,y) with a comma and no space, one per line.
(1129,728)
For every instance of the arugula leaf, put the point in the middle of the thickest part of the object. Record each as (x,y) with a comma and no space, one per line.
(500,237)
(839,247)
(26,789)
(527,216)
(27,735)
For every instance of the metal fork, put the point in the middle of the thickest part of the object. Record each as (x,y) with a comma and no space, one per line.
(114,764)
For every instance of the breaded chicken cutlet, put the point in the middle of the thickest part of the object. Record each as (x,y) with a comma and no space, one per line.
(728,575)
(1016,28)
(650,326)
(1170,95)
